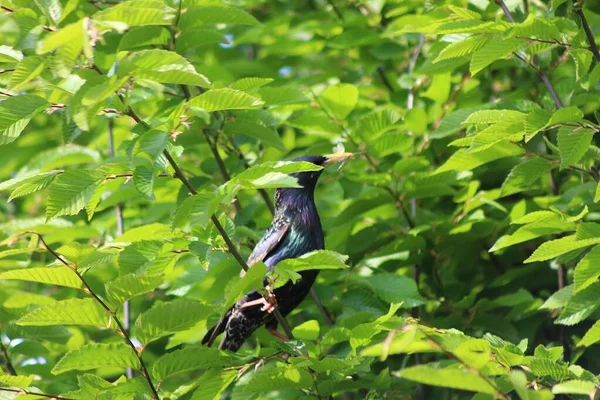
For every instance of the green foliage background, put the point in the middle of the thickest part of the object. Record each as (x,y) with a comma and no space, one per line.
(469,216)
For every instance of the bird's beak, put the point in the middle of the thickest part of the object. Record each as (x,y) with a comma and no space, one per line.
(337,158)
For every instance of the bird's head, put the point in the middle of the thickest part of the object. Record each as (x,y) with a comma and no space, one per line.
(308,180)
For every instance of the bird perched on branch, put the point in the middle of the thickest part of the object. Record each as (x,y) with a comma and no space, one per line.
(295,230)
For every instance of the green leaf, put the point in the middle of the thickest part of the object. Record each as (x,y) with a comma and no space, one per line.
(60,276)
(555,248)
(318,259)
(375,123)
(591,336)
(580,305)
(188,359)
(524,175)
(213,383)
(549,223)
(494,116)
(71,36)
(161,66)
(71,191)
(270,379)
(9,55)
(196,210)
(152,143)
(415,121)
(128,286)
(250,84)
(27,70)
(308,330)
(167,318)
(283,95)
(68,312)
(27,184)
(575,386)
(15,114)
(450,377)
(143,36)
(225,99)
(463,48)
(587,270)
(20,381)
(565,114)
(340,100)
(253,279)
(143,181)
(573,145)
(216,14)
(137,13)
(142,255)
(492,51)
(462,160)
(97,355)
(396,289)
(248,127)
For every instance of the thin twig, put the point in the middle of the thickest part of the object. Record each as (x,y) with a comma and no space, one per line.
(120,231)
(23,391)
(555,185)
(9,367)
(386,82)
(336,10)
(588,32)
(113,314)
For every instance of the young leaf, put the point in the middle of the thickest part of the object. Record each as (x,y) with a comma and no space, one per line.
(524,175)
(71,191)
(68,312)
(217,14)
(143,181)
(97,355)
(448,377)
(161,66)
(189,359)
(15,114)
(137,13)
(253,279)
(573,145)
(213,383)
(225,99)
(128,286)
(591,336)
(555,248)
(60,276)
(340,100)
(587,270)
(492,51)
(167,318)
(462,48)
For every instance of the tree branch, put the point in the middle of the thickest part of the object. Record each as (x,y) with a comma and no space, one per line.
(113,314)
(120,231)
(586,27)
(9,367)
(23,391)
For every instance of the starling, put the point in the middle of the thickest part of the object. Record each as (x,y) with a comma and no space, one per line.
(295,230)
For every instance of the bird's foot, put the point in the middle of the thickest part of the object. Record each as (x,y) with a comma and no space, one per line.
(267,305)
(270,304)
(278,335)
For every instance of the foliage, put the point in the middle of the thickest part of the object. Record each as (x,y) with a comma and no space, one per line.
(141,143)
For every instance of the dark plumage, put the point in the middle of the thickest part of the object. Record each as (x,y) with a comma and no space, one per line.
(295,230)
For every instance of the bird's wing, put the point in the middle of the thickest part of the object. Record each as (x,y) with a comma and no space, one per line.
(269,241)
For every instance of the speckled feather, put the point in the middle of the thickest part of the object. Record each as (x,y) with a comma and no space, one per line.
(295,230)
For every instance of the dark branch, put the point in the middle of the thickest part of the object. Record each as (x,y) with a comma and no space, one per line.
(9,367)
(588,32)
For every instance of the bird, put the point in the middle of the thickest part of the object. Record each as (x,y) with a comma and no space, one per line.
(295,230)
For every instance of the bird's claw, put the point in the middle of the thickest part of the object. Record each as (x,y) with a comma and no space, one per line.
(270,305)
